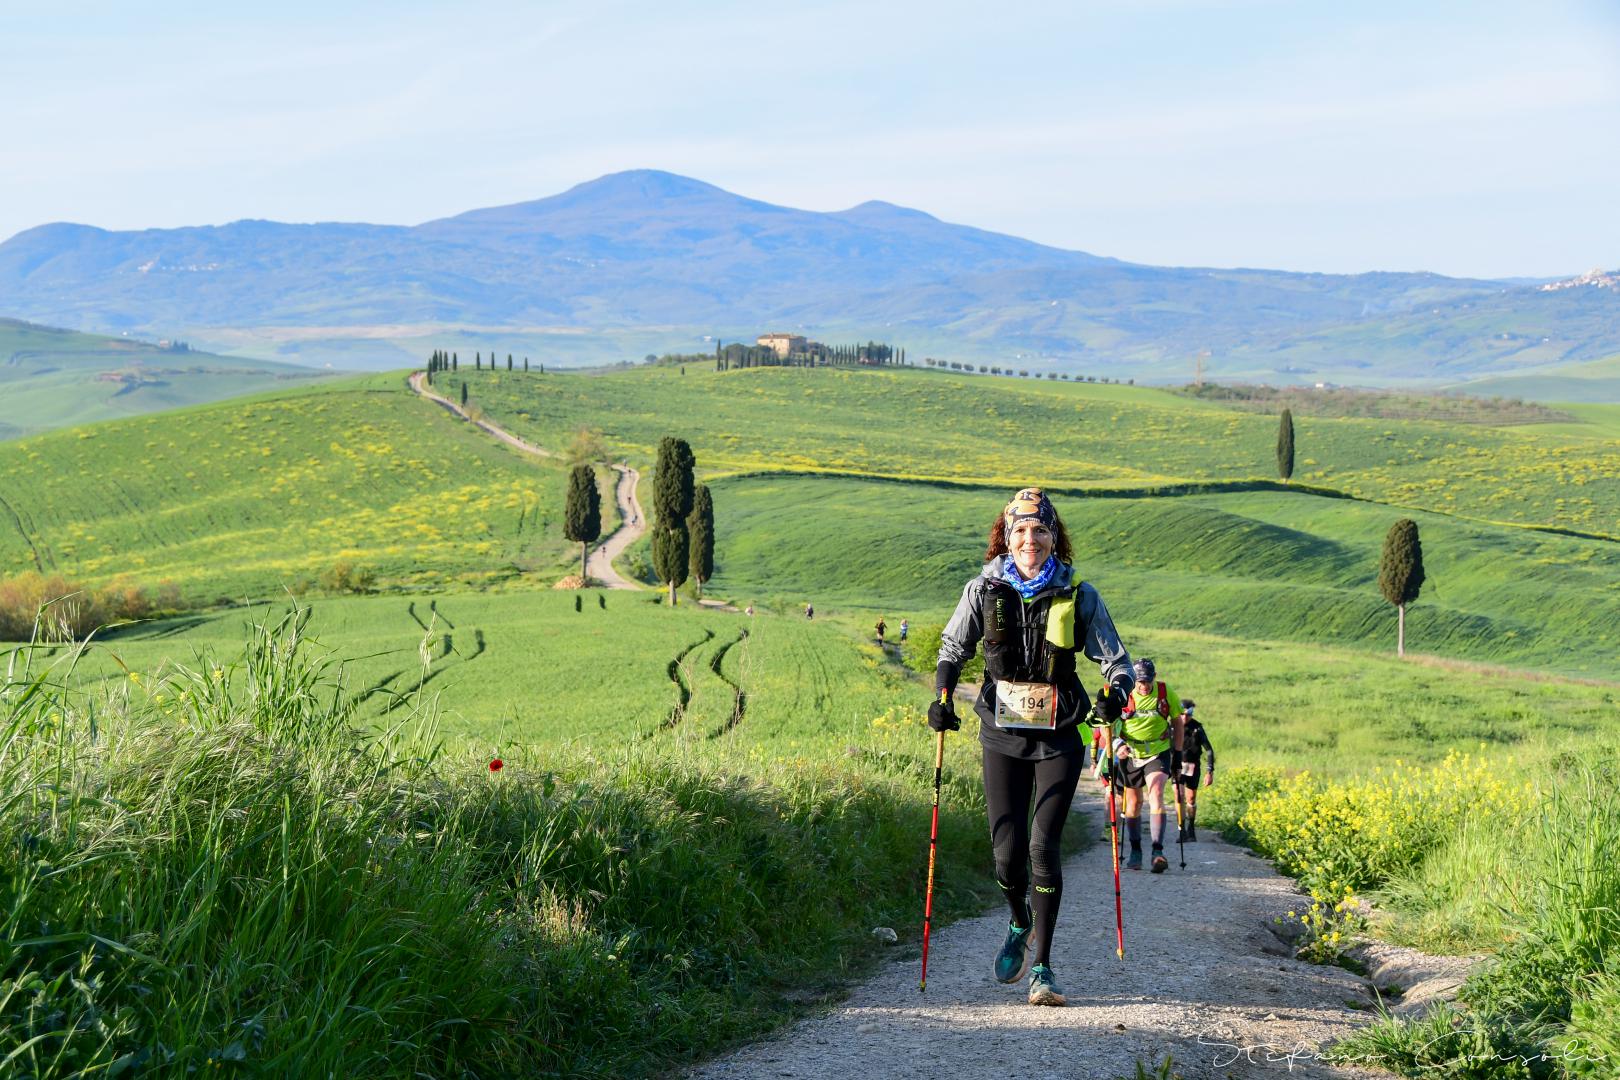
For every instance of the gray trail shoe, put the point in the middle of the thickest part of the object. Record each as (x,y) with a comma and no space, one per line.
(1133,861)
(1012,962)
(1043,987)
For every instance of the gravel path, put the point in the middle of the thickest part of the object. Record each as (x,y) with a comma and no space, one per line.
(599,563)
(1204,980)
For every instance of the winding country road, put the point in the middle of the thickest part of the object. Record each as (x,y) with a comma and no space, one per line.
(599,563)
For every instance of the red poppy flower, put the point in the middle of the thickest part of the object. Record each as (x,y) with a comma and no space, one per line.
(496,765)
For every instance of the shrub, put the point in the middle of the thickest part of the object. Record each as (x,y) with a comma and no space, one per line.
(64,610)
(1361,833)
(345,577)
(920,653)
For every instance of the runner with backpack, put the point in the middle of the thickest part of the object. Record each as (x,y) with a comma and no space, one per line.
(1143,740)
(1189,767)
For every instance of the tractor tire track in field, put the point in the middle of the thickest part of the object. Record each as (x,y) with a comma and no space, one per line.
(433,606)
(22,532)
(682,688)
(739,704)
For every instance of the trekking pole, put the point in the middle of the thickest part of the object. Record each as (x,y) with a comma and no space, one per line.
(933,846)
(1113,832)
(1181,830)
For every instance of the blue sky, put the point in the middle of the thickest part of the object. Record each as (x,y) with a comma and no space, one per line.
(1478,138)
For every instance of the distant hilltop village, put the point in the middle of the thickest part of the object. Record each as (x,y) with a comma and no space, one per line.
(1596,278)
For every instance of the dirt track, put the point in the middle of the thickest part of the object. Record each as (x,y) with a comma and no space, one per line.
(599,563)
(1204,980)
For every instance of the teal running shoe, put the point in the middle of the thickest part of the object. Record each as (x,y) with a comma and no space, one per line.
(1043,987)
(1012,962)
(1133,861)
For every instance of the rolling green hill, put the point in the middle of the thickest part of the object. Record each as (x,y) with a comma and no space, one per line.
(53,378)
(917,424)
(1593,381)
(1286,566)
(251,497)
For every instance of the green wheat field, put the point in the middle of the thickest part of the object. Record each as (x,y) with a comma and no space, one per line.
(262,831)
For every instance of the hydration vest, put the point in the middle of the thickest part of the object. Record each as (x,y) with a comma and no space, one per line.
(1028,642)
(1164,704)
(1162,707)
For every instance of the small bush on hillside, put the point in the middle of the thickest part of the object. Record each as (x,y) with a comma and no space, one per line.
(345,577)
(920,653)
(68,611)
(1361,833)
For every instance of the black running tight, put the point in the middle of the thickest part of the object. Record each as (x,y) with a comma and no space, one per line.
(1026,856)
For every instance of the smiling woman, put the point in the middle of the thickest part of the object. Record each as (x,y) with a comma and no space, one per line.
(1033,615)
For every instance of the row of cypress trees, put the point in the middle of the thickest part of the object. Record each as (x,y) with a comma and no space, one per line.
(683,525)
(443,360)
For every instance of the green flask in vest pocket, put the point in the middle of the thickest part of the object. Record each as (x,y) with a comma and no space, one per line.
(1060,621)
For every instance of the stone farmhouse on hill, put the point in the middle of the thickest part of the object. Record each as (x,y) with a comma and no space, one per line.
(784,345)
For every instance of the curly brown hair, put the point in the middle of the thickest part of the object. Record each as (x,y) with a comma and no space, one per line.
(1060,539)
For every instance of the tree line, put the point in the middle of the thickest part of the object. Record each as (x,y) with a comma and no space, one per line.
(815,354)
(447,360)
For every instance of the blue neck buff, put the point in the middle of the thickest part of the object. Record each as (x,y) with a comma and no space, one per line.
(1027,589)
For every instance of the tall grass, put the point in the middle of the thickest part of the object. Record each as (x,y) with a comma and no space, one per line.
(218,867)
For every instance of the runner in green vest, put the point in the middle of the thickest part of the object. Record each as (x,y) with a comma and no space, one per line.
(1143,742)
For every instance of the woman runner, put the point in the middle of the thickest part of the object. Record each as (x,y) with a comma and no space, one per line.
(1033,614)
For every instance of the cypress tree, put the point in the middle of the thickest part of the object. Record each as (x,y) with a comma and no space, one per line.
(1400,573)
(508,362)
(582,514)
(1285,445)
(463,395)
(454,366)
(701,526)
(672,503)
(478,361)
(525,365)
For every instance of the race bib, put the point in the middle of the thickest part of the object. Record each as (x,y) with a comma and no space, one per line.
(1188,768)
(1026,705)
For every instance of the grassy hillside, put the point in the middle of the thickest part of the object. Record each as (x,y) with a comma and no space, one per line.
(1271,565)
(1593,381)
(248,498)
(53,378)
(913,424)
(522,675)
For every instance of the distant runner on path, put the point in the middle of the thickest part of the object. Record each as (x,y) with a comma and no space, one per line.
(1143,742)
(1194,745)
(905,628)
(809,611)
(880,628)
(1033,614)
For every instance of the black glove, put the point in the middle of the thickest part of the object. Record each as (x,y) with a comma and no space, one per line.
(942,717)
(1109,705)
